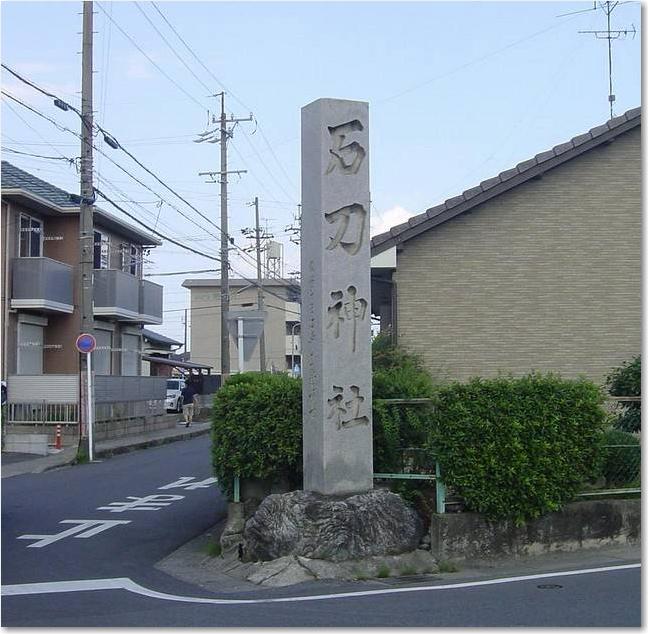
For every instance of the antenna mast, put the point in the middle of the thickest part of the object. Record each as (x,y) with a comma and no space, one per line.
(609,34)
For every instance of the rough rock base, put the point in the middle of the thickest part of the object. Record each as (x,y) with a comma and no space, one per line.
(309,525)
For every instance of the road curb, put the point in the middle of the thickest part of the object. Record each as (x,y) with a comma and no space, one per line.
(154,442)
(114,451)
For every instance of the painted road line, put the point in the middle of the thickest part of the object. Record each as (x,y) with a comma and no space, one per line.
(124,583)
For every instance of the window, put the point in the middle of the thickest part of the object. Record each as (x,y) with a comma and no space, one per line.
(31,237)
(293,327)
(130,355)
(131,258)
(101,251)
(102,356)
(30,348)
(136,256)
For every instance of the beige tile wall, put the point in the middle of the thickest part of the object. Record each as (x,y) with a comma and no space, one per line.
(545,277)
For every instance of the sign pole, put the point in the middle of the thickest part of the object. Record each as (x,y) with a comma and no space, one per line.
(90,410)
(241,357)
(85,344)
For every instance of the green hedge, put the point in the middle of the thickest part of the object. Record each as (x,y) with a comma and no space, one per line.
(517,448)
(257,419)
(257,429)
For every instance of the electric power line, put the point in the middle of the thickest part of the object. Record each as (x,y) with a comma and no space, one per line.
(111,140)
(139,48)
(154,231)
(204,85)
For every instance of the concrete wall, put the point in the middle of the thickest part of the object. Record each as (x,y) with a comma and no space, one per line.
(545,277)
(580,525)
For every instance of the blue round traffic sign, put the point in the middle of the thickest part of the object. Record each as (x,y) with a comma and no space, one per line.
(86,343)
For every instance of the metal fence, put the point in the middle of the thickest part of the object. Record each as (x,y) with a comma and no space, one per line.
(43,413)
(620,472)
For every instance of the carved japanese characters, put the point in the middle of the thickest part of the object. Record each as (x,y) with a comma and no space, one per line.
(344,413)
(336,298)
(342,217)
(347,158)
(351,311)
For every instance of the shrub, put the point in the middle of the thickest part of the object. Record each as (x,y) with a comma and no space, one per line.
(397,374)
(621,466)
(257,419)
(257,429)
(516,448)
(626,381)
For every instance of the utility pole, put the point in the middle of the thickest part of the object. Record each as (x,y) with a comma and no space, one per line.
(86,225)
(224,133)
(262,351)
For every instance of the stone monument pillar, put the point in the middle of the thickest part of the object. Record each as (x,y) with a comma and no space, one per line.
(336,302)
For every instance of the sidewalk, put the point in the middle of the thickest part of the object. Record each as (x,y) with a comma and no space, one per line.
(20,464)
(193,564)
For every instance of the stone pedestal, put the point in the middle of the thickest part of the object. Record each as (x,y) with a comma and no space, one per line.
(306,524)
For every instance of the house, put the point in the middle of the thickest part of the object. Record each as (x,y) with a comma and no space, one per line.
(282,320)
(159,358)
(156,350)
(538,268)
(41,317)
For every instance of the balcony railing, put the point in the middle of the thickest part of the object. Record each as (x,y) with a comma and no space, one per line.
(126,297)
(116,294)
(43,284)
(150,302)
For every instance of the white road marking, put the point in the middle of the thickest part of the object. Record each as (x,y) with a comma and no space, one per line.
(86,528)
(185,483)
(124,583)
(148,503)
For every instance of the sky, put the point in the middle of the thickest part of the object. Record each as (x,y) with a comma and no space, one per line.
(457,92)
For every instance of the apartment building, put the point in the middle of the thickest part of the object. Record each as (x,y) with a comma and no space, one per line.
(282,323)
(41,317)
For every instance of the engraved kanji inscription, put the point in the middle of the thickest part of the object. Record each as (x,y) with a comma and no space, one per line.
(345,157)
(352,310)
(336,406)
(349,235)
(347,414)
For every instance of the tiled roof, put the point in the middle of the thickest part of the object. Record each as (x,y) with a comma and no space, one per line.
(506,180)
(158,338)
(15,178)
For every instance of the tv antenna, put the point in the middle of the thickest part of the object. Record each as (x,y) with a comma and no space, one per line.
(608,34)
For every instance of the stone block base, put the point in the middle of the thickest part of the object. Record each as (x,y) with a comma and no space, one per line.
(307,524)
(580,525)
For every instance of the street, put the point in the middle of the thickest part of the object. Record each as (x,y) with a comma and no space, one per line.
(108,523)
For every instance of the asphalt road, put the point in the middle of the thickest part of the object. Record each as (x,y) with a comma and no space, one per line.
(36,505)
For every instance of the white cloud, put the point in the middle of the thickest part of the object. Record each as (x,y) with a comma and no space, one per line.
(382,221)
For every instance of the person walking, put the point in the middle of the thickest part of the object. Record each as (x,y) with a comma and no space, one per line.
(188,393)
